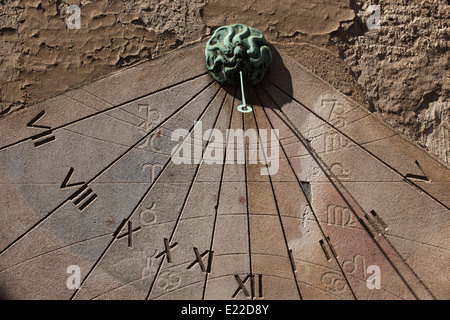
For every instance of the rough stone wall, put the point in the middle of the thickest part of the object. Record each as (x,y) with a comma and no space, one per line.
(400,70)
(403,67)
(40,57)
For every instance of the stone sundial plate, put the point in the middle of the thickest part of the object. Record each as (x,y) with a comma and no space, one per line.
(327,202)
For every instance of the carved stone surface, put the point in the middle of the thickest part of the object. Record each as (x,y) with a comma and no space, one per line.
(354,211)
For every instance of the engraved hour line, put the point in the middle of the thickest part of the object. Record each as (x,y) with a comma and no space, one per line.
(316,157)
(300,182)
(111,164)
(318,160)
(108,115)
(322,245)
(30,123)
(54,250)
(361,146)
(331,247)
(377,224)
(292,260)
(106,102)
(246,202)
(379,220)
(141,199)
(219,191)
(190,187)
(280,220)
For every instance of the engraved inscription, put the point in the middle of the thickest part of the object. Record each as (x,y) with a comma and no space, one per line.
(147,216)
(43,137)
(83,197)
(335,141)
(153,170)
(338,170)
(150,268)
(422,177)
(151,116)
(150,141)
(167,251)
(355,266)
(340,216)
(199,260)
(334,282)
(242,286)
(334,106)
(168,281)
(129,233)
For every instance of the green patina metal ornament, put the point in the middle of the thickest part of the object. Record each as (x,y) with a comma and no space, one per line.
(234,49)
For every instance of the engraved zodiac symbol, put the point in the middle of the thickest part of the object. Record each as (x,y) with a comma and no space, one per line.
(153,168)
(147,215)
(335,141)
(328,103)
(335,107)
(333,282)
(151,141)
(168,281)
(152,116)
(351,266)
(339,171)
(150,268)
(339,216)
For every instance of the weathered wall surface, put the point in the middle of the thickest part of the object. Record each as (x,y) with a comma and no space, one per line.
(403,67)
(40,57)
(400,71)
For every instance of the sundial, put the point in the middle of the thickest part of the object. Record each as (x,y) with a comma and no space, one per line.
(152,184)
